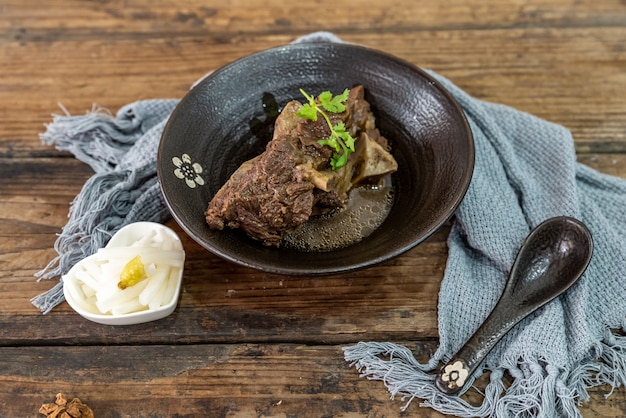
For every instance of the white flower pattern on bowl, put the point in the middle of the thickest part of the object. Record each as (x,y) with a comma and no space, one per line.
(455,374)
(188,171)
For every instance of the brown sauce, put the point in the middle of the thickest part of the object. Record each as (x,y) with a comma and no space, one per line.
(366,209)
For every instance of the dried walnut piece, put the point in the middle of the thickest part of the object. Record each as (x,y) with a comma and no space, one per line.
(61,408)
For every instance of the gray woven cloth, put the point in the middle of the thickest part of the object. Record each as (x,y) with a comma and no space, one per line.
(526,172)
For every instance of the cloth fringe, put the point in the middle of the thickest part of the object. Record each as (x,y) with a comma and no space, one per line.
(97,138)
(49,299)
(538,389)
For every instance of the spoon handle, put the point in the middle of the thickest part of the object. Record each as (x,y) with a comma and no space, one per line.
(453,376)
(553,256)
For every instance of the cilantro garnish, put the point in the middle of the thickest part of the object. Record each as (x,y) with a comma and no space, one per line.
(339,140)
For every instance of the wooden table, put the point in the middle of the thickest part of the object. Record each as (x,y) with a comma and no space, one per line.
(243,343)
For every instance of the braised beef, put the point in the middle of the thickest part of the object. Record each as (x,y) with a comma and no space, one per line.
(277,191)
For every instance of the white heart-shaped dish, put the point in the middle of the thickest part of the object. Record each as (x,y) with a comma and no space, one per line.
(90,287)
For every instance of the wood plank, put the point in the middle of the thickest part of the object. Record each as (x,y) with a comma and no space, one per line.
(233,380)
(224,302)
(162,18)
(220,301)
(48,185)
(561,61)
(548,74)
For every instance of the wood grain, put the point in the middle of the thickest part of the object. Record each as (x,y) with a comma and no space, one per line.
(242,343)
(562,62)
(230,380)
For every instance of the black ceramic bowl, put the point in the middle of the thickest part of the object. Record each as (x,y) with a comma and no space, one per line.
(226,119)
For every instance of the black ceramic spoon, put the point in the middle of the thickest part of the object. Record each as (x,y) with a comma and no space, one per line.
(553,256)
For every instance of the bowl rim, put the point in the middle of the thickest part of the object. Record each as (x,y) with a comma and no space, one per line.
(387,255)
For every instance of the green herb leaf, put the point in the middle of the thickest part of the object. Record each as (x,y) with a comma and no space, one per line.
(330,142)
(340,141)
(308,112)
(334,104)
(337,161)
(347,140)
